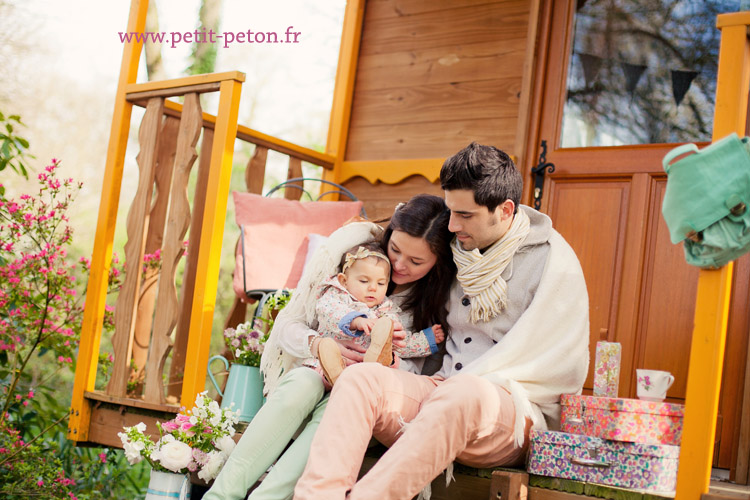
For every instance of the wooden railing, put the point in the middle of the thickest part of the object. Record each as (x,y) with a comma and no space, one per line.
(149,308)
(154,318)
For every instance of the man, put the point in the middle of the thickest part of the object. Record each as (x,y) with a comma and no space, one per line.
(519,339)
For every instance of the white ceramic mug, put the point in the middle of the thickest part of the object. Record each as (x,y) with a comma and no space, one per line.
(653,384)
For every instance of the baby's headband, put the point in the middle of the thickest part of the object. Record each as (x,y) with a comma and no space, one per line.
(362,253)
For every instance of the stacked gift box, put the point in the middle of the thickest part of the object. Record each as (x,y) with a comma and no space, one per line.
(608,440)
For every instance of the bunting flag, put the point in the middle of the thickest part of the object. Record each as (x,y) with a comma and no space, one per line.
(591,65)
(633,73)
(681,81)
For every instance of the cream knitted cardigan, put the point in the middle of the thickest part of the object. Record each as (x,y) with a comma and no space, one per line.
(301,308)
(545,354)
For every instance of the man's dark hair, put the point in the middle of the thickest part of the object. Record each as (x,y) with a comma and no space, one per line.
(487,171)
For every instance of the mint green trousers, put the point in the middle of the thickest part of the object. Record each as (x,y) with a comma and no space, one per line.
(299,396)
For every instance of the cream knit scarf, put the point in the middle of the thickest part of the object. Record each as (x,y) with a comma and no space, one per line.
(480,273)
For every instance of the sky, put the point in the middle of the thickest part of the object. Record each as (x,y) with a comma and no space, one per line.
(79,38)
(66,68)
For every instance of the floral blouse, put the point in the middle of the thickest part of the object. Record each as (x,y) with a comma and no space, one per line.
(336,308)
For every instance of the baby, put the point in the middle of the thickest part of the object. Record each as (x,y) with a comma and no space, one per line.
(352,305)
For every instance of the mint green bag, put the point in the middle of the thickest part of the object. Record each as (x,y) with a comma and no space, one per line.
(705,203)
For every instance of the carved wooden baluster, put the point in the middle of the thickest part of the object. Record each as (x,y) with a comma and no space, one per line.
(177,225)
(295,170)
(137,224)
(147,299)
(179,350)
(255,172)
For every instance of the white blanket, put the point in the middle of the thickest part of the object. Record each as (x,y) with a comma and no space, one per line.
(300,312)
(546,353)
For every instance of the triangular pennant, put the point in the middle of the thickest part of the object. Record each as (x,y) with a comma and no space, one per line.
(591,65)
(633,73)
(681,81)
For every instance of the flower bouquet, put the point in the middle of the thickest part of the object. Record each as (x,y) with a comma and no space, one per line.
(197,440)
(246,342)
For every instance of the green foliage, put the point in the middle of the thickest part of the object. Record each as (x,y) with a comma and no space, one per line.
(12,147)
(30,469)
(40,319)
(102,472)
(203,60)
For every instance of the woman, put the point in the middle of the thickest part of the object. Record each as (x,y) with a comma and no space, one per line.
(418,245)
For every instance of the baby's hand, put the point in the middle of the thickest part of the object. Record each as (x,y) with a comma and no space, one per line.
(362,323)
(439,334)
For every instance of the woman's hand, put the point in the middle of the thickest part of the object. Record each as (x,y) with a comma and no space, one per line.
(398,335)
(351,351)
(437,330)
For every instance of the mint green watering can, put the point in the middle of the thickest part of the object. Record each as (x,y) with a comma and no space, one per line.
(244,388)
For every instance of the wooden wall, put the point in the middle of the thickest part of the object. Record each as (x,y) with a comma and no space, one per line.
(434,75)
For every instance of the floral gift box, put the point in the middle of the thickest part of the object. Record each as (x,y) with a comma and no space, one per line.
(645,467)
(621,419)
(607,369)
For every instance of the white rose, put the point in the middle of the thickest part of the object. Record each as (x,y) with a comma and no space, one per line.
(133,451)
(174,455)
(141,427)
(214,463)
(225,444)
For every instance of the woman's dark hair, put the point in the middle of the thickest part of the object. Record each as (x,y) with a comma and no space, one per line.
(426,216)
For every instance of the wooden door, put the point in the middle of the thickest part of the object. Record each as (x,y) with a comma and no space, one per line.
(606,191)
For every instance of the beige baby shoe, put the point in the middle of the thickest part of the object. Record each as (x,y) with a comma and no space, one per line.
(381,343)
(331,360)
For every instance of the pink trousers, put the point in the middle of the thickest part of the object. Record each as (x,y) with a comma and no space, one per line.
(426,422)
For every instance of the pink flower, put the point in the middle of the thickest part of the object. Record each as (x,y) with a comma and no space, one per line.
(31,394)
(170,426)
(103,457)
(40,483)
(186,428)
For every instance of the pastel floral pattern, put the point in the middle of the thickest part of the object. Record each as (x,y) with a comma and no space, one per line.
(645,382)
(621,419)
(607,369)
(650,468)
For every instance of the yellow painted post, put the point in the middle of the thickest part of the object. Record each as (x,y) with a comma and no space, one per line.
(212,235)
(343,92)
(714,287)
(96,292)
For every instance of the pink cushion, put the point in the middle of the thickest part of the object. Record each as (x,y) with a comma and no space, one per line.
(276,237)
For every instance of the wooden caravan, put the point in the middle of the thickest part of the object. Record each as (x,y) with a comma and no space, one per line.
(586,101)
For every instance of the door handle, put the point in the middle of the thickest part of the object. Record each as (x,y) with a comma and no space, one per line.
(538,173)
